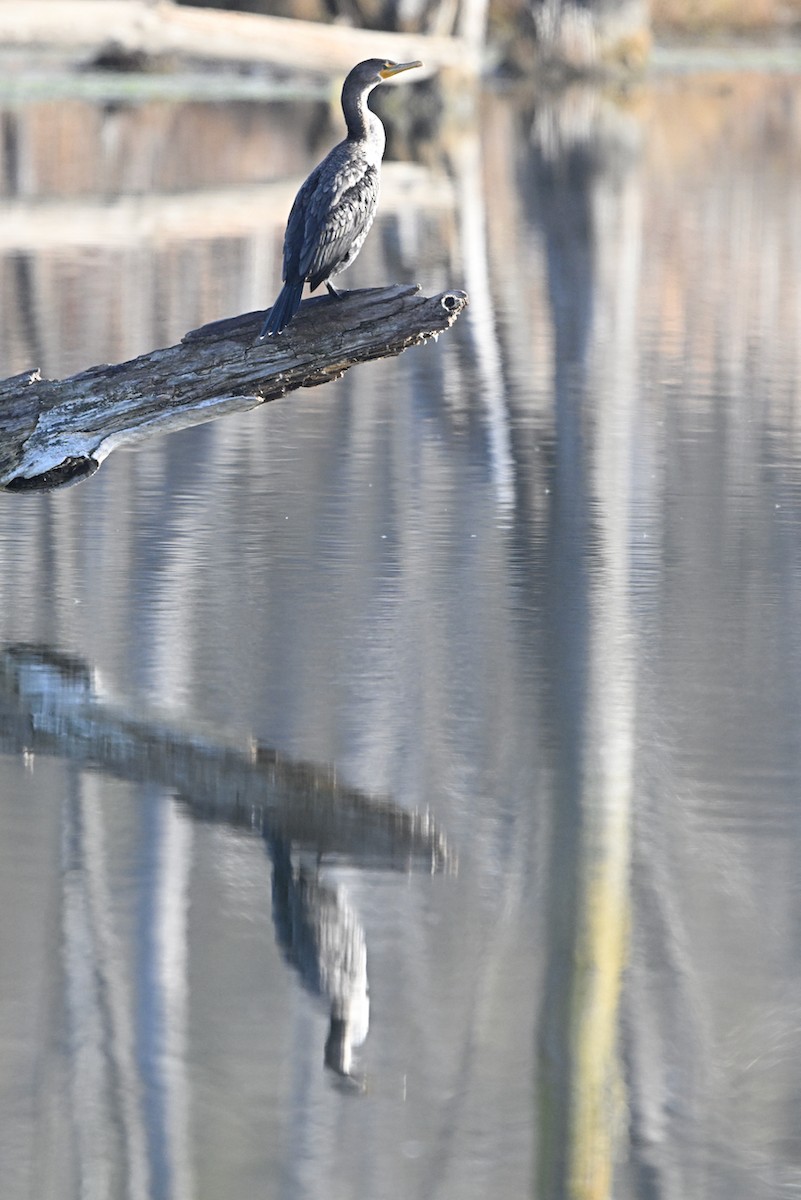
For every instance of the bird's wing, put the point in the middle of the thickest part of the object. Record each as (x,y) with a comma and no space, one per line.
(342,227)
(337,205)
(295,236)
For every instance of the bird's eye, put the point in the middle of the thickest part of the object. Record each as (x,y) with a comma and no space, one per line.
(387,65)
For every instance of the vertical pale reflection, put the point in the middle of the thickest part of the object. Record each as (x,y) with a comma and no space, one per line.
(481,317)
(603,921)
(127,1027)
(172,620)
(110,1144)
(594,224)
(172,907)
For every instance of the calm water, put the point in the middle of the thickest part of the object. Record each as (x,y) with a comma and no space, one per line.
(400,786)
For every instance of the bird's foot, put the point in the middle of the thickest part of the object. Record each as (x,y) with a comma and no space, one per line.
(332,291)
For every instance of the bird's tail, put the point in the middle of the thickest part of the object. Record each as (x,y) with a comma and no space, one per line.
(284,309)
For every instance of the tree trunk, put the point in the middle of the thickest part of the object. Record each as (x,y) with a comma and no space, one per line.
(586,36)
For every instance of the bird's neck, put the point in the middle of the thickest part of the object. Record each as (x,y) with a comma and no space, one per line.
(363,125)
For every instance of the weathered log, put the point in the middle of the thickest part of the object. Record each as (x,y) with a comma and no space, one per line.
(55,432)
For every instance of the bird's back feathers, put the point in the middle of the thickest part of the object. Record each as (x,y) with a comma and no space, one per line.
(331,216)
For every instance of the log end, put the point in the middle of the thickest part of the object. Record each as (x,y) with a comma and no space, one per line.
(319,314)
(73,469)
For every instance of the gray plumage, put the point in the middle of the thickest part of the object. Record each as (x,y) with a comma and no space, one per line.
(335,207)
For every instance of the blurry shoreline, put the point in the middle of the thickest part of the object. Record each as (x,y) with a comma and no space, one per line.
(131,49)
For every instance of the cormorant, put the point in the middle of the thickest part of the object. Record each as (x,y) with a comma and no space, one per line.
(334,209)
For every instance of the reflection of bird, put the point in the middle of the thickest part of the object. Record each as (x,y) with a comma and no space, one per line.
(322,936)
(334,209)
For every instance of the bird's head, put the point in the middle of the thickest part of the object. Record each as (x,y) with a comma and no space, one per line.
(373,71)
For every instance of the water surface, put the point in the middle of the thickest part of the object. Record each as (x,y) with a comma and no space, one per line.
(399,785)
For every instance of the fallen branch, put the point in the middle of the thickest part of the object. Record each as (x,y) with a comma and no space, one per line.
(55,432)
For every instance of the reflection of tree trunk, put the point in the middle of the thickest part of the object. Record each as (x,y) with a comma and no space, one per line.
(592,227)
(127,1030)
(481,318)
(25,312)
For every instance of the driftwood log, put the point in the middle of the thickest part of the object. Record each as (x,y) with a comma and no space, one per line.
(55,432)
(129,28)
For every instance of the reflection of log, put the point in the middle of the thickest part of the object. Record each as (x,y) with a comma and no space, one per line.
(135,27)
(58,431)
(49,706)
(202,213)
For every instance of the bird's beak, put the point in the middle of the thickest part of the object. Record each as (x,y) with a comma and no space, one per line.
(395,68)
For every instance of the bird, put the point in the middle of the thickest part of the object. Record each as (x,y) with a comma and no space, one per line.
(334,208)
